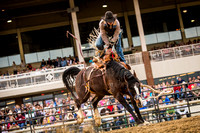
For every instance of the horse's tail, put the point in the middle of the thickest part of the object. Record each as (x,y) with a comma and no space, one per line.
(68,78)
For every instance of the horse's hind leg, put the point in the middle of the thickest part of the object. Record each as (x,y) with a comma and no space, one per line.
(97,116)
(121,99)
(79,101)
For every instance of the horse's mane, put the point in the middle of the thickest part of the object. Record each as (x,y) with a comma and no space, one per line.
(120,72)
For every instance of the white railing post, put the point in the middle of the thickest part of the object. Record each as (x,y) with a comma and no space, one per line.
(192,46)
(162,55)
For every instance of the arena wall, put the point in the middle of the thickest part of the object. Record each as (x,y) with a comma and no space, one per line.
(170,67)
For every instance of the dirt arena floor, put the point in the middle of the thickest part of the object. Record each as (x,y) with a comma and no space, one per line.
(184,125)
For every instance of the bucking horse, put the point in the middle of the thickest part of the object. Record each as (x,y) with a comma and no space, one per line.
(114,80)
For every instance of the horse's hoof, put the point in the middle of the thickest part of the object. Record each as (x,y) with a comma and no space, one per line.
(79,120)
(143,124)
(146,123)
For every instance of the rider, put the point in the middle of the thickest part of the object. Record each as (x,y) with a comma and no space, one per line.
(110,27)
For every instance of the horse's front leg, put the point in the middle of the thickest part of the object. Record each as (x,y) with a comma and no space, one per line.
(138,112)
(121,99)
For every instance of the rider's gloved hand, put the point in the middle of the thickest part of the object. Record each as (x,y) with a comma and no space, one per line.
(112,43)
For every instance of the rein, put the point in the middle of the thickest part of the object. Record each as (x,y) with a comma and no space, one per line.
(86,83)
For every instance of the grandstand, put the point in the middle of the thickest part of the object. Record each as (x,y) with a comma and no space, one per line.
(35,53)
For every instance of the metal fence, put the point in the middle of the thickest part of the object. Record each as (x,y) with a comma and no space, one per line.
(35,77)
(114,116)
(175,52)
(51,75)
(134,59)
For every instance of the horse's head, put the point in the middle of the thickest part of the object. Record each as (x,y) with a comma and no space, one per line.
(138,97)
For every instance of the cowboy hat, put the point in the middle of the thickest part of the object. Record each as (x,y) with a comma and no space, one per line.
(109,16)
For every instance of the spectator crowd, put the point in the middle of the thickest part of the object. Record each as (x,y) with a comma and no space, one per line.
(63,109)
(49,64)
(175,44)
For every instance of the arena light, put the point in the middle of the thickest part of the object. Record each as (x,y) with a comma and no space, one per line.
(105,5)
(192,20)
(11,102)
(184,11)
(9,21)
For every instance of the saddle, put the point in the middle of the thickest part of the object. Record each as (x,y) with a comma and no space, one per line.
(100,62)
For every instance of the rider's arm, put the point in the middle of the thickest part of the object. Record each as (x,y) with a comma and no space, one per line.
(117,31)
(103,33)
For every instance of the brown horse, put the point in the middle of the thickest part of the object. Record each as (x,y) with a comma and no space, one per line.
(114,80)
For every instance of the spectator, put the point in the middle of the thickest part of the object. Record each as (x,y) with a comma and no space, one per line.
(69,62)
(171,113)
(117,120)
(56,102)
(43,63)
(74,61)
(193,79)
(91,61)
(29,67)
(162,111)
(49,62)
(13,125)
(182,109)
(196,90)
(22,66)
(6,73)
(20,120)
(165,100)
(77,60)
(38,114)
(189,80)
(131,120)
(14,68)
(45,122)
(107,121)
(17,108)
(180,81)
(55,63)
(198,77)
(63,63)
(88,110)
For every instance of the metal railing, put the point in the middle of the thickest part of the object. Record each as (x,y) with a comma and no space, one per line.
(134,59)
(35,77)
(175,52)
(51,75)
(115,119)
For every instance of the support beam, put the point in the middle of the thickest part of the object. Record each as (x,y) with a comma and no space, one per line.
(145,53)
(140,25)
(76,31)
(21,51)
(181,23)
(128,30)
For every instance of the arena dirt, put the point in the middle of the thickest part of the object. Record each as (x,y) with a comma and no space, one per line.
(184,125)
